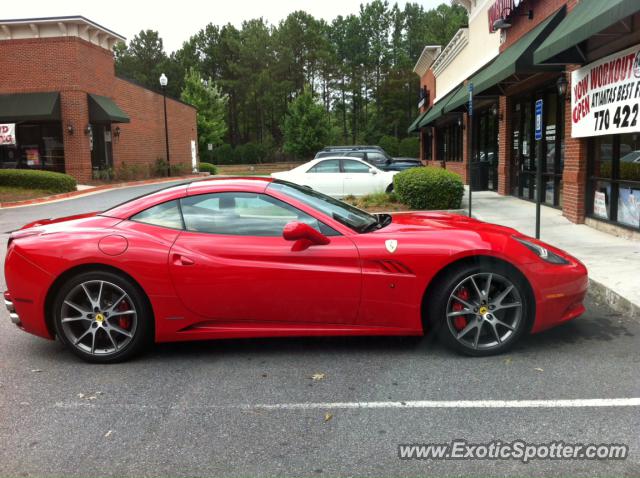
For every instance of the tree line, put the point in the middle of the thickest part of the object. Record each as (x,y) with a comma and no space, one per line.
(358,68)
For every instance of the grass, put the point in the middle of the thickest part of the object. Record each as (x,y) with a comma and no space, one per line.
(12,193)
(377,202)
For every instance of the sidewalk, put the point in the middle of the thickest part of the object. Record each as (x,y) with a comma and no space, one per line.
(613,262)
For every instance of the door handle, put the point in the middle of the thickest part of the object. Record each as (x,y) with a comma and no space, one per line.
(180,260)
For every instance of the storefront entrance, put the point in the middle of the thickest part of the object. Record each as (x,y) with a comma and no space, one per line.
(484,165)
(524,148)
(101,149)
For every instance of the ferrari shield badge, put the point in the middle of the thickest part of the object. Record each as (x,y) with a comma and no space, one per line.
(391,245)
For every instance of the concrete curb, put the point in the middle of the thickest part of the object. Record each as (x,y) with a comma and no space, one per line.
(604,295)
(103,187)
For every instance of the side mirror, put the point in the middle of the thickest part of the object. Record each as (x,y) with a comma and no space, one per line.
(373,171)
(303,236)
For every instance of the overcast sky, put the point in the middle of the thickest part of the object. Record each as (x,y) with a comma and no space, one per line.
(178,20)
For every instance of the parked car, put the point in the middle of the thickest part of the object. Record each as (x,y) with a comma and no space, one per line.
(340,176)
(257,257)
(374,155)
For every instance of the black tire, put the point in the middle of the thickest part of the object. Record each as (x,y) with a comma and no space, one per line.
(389,188)
(488,326)
(141,334)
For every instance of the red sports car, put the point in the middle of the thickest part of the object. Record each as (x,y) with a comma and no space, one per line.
(227,258)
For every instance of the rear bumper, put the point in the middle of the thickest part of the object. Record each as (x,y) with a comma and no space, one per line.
(27,285)
(13,315)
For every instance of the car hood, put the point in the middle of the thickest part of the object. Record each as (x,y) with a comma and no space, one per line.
(433,221)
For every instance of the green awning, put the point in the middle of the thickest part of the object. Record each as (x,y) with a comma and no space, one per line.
(414,126)
(103,110)
(438,109)
(588,18)
(30,107)
(516,59)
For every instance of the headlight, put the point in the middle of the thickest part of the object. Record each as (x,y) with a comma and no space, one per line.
(542,252)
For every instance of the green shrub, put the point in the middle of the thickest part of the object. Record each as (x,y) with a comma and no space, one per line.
(207,168)
(409,147)
(224,154)
(34,179)
(429,188)
(390,144)
(179,169)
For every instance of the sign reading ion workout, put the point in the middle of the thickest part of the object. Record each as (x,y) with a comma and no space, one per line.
(605,95)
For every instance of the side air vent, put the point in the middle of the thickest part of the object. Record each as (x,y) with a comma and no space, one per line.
(388,267)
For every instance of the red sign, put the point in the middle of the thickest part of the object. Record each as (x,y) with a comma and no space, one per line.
(7,134)
(501,9)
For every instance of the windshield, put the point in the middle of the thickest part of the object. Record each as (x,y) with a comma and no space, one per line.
(345,214)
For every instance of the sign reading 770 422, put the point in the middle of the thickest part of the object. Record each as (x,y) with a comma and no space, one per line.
(624,117)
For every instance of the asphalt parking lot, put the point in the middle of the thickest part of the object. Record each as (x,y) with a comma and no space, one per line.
(308,407)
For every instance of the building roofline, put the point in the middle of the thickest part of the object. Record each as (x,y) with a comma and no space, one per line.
(158,92)
(16,21)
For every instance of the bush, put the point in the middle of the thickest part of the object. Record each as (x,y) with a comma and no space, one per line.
(207,168)
(409,147)
(224,154)
(390,144)
(34,179)
(429,188)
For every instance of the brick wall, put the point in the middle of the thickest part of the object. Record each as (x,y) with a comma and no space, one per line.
(142,141)
(75,67)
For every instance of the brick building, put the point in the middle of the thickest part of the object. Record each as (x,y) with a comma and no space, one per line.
(579,61)
(62,107)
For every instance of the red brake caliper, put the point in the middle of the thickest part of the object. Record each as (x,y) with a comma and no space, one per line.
(460,321)
(124,321)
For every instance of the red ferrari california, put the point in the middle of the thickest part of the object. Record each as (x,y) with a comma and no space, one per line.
(227,258)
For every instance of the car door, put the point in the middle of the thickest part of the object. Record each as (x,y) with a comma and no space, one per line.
(325,177)
(232,264)
(358,179)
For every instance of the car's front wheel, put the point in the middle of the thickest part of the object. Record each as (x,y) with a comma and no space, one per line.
(481,310)
(102,317)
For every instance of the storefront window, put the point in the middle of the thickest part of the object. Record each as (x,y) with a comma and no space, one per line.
(449,142)
(629,174)
(38,146)
(427,146)
(615,178)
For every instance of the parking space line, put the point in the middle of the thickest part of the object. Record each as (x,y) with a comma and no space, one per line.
(575,403)
(409,404)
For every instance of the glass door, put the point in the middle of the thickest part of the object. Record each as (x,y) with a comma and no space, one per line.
(484,163)
(525,148)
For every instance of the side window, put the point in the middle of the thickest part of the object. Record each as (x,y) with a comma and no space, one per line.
(166,214)
(328,166)
(350,166)
(356,154)
(243,214)
(376,158)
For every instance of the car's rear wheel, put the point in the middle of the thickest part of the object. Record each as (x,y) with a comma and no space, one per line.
(481,310)
(102,317)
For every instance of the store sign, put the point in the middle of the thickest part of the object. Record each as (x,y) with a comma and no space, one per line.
(501,9)
(7,134)
(605,95)
(600,204)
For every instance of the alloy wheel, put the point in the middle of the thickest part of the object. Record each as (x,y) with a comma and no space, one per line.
(484,311)
(98,318)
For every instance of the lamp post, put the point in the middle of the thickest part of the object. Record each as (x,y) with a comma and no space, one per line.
(163,84)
